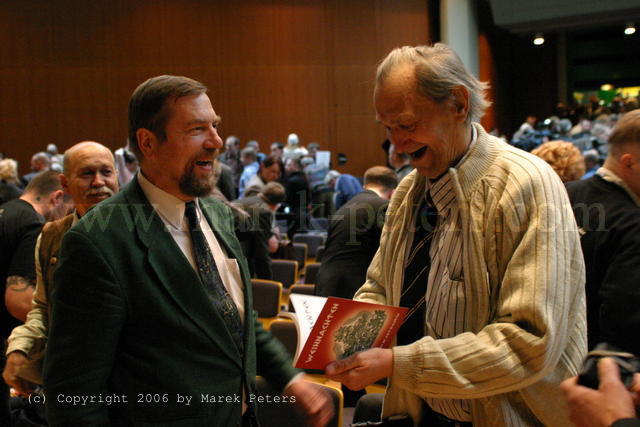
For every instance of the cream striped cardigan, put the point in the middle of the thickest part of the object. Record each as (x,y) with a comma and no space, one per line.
(525,323)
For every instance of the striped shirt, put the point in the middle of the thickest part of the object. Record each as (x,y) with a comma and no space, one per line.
(447,294)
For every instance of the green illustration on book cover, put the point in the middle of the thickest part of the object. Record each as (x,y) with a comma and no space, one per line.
(358,333)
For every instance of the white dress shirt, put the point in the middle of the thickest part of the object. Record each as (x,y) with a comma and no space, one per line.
(171,211)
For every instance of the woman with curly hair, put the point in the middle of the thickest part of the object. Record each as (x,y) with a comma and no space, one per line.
(564,158)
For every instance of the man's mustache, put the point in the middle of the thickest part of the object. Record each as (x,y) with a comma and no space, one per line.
(99,192)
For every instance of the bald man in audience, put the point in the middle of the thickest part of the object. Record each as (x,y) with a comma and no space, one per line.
(40,162)
(89,177)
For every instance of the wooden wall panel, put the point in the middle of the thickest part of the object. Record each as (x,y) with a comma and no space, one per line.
(68,67)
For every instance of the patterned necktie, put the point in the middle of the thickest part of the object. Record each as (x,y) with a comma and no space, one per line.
(210,277)
(416,274)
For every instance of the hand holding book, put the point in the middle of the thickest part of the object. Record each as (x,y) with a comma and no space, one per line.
(362,369)
(331,329)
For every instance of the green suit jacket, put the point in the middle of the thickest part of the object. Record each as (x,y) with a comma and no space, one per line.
(131,320)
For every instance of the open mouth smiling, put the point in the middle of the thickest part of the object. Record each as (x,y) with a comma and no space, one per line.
(418,153)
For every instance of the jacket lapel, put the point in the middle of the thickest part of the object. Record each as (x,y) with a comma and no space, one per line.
(175,272)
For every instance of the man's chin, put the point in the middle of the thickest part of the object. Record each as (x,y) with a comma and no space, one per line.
(199,188)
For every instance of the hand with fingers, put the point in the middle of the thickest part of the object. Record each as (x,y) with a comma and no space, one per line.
(15,360)
(363,368)
(602,407)
(312,400)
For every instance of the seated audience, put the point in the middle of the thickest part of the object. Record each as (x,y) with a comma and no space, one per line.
(527,126)
(249,160)
(257,232)
(40,162)
(591,163)
(231,158)
(298,195)
(293,149)
(277,150)
(9,184)
(256,147)
(344,186)
(269,171)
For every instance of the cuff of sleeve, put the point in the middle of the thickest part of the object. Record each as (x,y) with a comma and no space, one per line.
(15,346)
(408,364)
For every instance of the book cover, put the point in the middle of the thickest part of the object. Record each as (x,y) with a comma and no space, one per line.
(334,328)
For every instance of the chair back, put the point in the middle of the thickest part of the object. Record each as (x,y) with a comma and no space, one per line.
(285,331)
(311,272)
(319,224)
(313,241)
(266,297)
(299,254)
(319,253)
(284,271)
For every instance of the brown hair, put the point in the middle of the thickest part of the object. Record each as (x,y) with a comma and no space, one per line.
(44,183)
(626,130)
(381,175)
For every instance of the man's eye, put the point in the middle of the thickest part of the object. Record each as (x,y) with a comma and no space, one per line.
(406,127)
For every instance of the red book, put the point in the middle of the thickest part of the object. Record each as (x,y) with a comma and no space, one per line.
(334,328)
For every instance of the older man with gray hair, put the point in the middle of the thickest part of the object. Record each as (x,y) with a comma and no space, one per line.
(89,177)
(480,244)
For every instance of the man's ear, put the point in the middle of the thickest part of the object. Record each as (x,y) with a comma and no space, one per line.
(147,142)
(64,182)
(56,197)
(627,160)
(460,99)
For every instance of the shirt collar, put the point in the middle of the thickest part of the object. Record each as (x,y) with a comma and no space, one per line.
(608,175)
(168,206)
(441,188)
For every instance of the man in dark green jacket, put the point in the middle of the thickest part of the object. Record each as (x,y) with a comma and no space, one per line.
(152,316)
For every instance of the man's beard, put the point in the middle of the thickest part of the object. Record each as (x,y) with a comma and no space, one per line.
(190,185)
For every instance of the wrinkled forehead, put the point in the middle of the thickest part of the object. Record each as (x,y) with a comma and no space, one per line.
(91,158)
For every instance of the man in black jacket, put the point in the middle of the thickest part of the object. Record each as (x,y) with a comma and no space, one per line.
(256,233)
(354,235)
(607,210)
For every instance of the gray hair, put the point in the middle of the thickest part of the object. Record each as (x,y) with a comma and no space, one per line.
(438,70)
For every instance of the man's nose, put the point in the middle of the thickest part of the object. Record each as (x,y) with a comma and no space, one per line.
(398,138)
(98,180)
(214,140)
